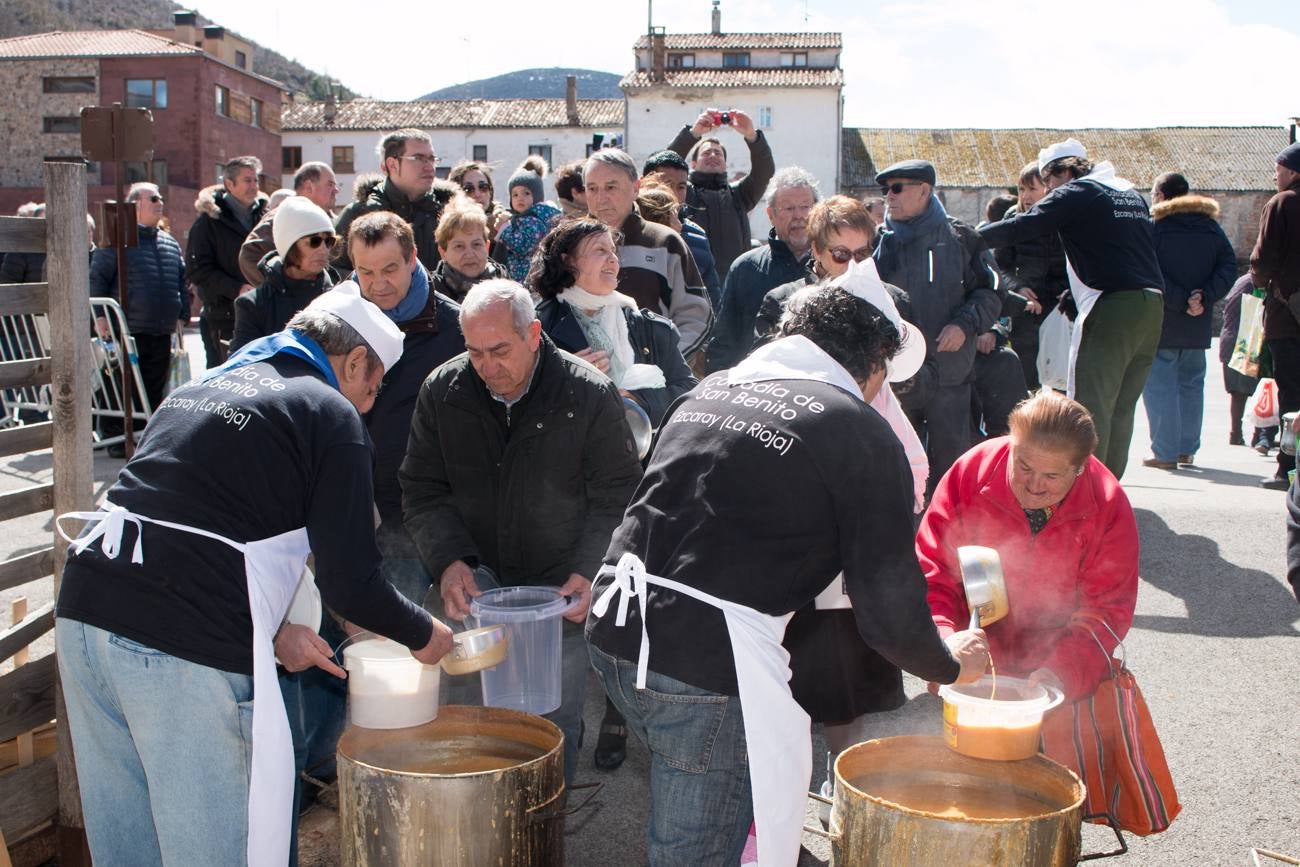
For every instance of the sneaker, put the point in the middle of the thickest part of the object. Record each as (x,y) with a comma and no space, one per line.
(1274,483)
(1157,464)
(1186,460)
(1262,447)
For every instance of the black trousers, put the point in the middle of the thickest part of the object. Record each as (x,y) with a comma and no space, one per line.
(943,423)
(1286,370)
(999,386)
(213,331)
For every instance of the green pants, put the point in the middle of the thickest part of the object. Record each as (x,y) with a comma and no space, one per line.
(1120,337)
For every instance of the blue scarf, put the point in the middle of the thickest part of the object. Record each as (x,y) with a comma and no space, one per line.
(285,342)
(416,297)
(899,233)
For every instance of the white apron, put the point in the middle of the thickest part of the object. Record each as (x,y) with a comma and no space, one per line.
(272,568)
(1085,298)
(778,736)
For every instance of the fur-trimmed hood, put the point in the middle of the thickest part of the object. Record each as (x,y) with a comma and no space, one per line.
(208,204)
(373,190)
(1189,204)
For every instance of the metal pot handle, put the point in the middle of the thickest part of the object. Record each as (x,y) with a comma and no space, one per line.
(1114,826)
(546,813)
(833,834)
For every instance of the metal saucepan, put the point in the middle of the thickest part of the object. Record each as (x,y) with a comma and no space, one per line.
(476,649)
(642,431)
(986,588)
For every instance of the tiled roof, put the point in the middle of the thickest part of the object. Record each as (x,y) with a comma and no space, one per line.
(372,114)
(1213,158)
(730,41)
(91,43)
(782,76)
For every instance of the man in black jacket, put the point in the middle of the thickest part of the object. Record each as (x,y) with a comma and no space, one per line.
(409,188)
(227,213)
(520,461)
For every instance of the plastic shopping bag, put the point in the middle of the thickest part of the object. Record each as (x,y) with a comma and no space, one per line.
(1250,337)
(178,369)
(1262,411)
(1054,350)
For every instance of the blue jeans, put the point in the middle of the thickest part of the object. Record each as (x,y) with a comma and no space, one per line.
(163,750)
(1174,396)
(700,804)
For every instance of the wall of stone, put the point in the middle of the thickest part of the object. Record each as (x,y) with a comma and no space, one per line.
(23,143)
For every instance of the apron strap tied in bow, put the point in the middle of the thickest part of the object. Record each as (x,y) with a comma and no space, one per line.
(629,581)
(107,526)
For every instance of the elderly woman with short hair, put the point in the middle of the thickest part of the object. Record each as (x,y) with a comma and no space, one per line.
(462,238)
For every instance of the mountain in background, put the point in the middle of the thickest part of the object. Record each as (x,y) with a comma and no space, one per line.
(24,17)
(534,84)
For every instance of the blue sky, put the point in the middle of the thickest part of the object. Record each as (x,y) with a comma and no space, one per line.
(992,63)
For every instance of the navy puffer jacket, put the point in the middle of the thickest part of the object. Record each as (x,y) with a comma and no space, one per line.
(1195,256)
(155,272)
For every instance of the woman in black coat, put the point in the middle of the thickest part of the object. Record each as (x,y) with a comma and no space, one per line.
(575,271)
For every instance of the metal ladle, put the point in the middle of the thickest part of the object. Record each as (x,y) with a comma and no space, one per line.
(984,583)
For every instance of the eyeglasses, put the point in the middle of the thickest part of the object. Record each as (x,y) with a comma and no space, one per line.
(897,187)
(483,187)
(315,241)
(842,255)
(790,210)
(421,159)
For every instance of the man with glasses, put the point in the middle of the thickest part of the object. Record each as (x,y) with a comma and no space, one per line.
(721,206)
(315,181)
(790,199)
(946,271)
(409,188)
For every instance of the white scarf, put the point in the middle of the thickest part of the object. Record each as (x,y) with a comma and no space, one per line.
(608,313)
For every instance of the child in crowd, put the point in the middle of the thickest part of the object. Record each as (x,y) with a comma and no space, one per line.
(532,217)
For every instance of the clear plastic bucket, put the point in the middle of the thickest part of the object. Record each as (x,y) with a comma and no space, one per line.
(1003,727)
(388,688)
(529,678)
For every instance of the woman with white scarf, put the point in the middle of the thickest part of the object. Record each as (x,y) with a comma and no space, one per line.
(575,272)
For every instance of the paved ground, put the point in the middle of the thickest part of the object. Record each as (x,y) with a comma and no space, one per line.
(1214,648)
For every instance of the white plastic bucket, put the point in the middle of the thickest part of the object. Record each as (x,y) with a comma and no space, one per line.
(388,688)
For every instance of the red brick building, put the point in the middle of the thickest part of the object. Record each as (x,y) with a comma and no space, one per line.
(206,108)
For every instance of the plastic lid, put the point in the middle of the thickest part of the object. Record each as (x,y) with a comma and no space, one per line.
(376,650)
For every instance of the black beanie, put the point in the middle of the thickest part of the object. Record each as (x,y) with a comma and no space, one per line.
(1290,157)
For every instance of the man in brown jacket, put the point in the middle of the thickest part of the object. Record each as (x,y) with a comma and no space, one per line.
(1275,267)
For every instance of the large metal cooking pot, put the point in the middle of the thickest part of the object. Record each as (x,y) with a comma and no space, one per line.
(1040,804)
(476,786)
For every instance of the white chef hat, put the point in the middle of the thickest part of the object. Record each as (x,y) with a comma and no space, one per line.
(345,302)
(1071,147)
(863,281)
(298,217)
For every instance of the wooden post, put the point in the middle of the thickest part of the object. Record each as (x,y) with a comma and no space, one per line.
(68,270)
(25,741)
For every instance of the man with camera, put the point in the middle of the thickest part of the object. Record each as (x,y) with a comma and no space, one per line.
(719,206)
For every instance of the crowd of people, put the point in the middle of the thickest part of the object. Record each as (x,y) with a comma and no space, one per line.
(467,367)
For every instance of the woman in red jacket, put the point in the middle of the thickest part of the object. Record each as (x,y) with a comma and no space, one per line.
(1067,539)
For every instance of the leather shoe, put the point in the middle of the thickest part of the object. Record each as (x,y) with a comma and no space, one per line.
(1156,463)
(1236,440)
(1186,460)
(1273,483)
(611,746)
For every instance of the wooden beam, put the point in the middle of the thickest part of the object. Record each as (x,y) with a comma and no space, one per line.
(28,567)
(29,797)
(27,698)
(23,633)
(29,438)
(27,501)
(22,234)
(19,298)
(20,374)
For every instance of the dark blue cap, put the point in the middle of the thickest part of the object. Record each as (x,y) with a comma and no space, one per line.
(914,170)
(1290,157)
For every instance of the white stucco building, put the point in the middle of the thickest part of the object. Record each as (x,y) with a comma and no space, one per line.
(789,83)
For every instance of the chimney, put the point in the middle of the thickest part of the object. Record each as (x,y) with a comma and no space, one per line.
(717,17)
(658,53)
(571,98)
(331,107)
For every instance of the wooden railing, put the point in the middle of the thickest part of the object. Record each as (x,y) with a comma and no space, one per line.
(40,808)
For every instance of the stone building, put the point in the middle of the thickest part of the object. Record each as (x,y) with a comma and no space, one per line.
(789,83)
(207,107)
(1232,164)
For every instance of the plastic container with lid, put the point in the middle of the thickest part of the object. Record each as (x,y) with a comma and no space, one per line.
(1004,727)
(529,677)
(388,688)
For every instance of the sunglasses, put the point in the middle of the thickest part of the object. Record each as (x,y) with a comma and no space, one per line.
(156,199)
(483,187)
(897,187)
(315,241)
(842,255)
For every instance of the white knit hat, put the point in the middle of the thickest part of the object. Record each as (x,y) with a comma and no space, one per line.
(298,217)
(1071,147)
(862,280)
(345,302)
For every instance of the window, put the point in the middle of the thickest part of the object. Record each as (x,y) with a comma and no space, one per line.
(681,61)
(735,59)
(61,124)
(223,101)
(154,172)
(794,58)
(291,159)
(765,117)
(241,60)
(68,84)
(255,112)
(480,153)
(543,151)
(146,93)
(341,160)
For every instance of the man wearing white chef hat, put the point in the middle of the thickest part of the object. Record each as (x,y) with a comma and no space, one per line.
(704,574)
(182,746)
